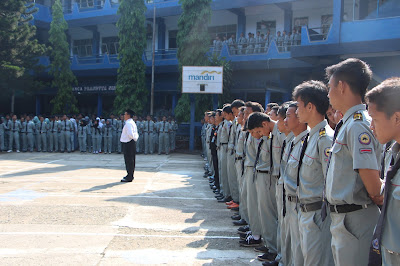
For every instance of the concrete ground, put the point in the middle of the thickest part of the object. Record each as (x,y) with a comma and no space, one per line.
(71,209)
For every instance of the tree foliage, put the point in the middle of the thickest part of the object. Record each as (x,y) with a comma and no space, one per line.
(60,64)
(19,48)
(131,89)
(193,43)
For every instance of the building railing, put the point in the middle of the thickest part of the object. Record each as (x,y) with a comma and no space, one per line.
(161,54)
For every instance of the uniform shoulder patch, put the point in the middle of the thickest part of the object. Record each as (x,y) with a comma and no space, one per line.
(327,152)
(357,116)
(322,132)
(364,138)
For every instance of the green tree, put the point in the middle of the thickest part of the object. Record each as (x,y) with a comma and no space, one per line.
(60,64)
(193,43)
(131,81)
(19,49)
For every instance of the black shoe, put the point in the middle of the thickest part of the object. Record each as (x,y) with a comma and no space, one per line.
(126,180)
(224,200)
(244,236)
(250,242)
(270,263)
(211,180)
(262,249)
(240,222)
(235,209)
(221,198)
(236,217)
(218,195)
(244,229)
(267,257)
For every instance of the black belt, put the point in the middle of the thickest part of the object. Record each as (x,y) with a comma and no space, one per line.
(262,172)
(224,143)
(345,208)
(239,158)
(311,206)
(292,198)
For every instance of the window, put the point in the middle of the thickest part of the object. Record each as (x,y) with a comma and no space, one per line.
(263,26)
(82,48)
(299,22)
(221,31)
(172,39)
(326,22)
(85,3)
(110,45)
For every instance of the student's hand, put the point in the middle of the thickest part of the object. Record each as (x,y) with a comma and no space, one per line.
(377,199)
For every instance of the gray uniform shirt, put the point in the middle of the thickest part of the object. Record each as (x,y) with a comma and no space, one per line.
(355,148)
(315,161)
(276,150)
(53,126)
(391,232)
(264,161)
(251,146)
(285,156)
(148,126)
(14,126)
(290,174)
(232,134)
(65,125)
(164,127)
(223,136)
(239,147)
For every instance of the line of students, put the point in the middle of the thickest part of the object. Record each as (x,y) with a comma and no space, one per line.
(309,190)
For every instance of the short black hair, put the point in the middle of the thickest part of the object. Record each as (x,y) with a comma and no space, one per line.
(314,92)
(271,105)
(256,119)
(386,96)
(255,107)
(237,103)
(219,111)
(283,108)
(293,104)
(275,109)
(355,72)
(227,109)
(130,112)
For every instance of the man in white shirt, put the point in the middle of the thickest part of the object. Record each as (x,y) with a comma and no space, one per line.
(129,137)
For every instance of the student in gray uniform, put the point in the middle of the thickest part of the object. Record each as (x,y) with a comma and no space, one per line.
(22,134)
(41,130)
(65,129)
(89,142)
(313,102)
(163,130)
(113,123)
(290,180)
(352,183)
(29,129)
(148,129)
(107,136)
(120,126)
(242,42)
(14,127)
(258,43)
(250,44)
(155,134)
(384,108)
(222,144)
(260,124)
(172,134)
(96,136)
(249,193)
(82,135)
(139,128)
(73,133)
(232,45)
(53,134)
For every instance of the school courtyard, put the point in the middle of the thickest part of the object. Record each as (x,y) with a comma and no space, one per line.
(71,209)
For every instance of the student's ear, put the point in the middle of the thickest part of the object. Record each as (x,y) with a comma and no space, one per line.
(397,118)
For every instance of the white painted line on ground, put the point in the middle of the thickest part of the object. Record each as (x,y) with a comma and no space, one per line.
(28,168)
(114,234)
(115,196)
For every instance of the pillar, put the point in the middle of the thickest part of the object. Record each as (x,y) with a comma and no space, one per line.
(174,102)
(38,104)
(192,117)
(215,101)
(267,98)
(241,22)
(99,104)
(161,33)
(287,20)
(96,42)
(337,20)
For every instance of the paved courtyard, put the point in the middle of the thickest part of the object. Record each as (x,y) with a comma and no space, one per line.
(71,209)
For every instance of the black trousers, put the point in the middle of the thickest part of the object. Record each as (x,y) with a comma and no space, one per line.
(214,156)
(130,157)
